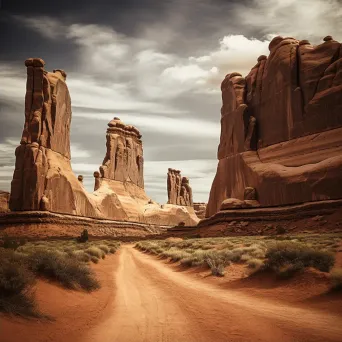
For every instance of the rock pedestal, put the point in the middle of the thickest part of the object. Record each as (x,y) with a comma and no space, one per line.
(43,179)
(124,158)
(178,189)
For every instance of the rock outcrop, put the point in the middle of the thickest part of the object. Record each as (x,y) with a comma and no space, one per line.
(200,209)
(124,158)
(178,189)
(4,199)
(43,177)
(281,129)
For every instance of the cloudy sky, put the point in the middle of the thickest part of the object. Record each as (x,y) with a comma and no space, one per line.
(156,64)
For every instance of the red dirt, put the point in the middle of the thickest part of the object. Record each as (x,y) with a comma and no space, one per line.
(151,301)
(73,311)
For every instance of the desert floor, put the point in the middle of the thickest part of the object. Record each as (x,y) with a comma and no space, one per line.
(146,299)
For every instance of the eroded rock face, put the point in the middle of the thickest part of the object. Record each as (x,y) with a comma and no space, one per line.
(46,128)
(200,209)
(124,158)
(43,178)
(281,129)
(4,199)
(178,189)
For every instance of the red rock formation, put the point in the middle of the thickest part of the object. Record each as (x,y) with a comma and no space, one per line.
(124,158)
(281,129)
(178,189)
(200,209)
(4,198)
(43,177)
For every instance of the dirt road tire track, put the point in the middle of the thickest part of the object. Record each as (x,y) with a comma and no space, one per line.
(154,303)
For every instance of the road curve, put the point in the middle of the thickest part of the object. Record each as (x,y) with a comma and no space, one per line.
(154,303)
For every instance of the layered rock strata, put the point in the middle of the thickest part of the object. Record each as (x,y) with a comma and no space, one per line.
(281,129)
(4,199)
(178,189)
(43,177)
(200,209)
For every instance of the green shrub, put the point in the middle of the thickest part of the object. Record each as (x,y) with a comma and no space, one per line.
(94,251)
(217,266)
(83,237)
(16,286)
(280,230)
(112,250)
(254,263)
(296,256)
(94,259)
(11,243)
(69,272)
(81,256)
(104,248)
(336,279)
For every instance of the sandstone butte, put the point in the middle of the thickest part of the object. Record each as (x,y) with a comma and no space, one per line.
(281,129)
(280,147)
(43,179)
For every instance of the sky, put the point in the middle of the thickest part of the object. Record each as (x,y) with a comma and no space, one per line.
(155,64)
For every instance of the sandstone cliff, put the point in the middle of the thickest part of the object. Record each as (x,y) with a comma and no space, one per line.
(43,178)
(178,189)
(4,198)
(281,129)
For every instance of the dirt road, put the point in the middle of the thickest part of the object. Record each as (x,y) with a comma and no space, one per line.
(154,303)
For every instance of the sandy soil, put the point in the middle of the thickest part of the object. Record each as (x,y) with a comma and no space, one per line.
(73,312)
(153,302)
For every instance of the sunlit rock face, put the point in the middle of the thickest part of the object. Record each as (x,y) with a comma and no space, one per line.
(43,178)
(124,158)
(200,209)
(281,129)
(178,189)
(4,198)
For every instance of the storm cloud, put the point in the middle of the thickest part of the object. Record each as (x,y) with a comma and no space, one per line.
(155,64)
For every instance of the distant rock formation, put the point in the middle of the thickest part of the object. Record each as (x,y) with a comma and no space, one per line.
(178,189)
(281,129)
(124,158)
(43,177)
(4,199)
(200,209)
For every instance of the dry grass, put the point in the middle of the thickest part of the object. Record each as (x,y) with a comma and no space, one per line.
(283,254)
(64,262)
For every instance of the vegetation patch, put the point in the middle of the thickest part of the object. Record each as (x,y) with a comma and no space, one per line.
(283,254)
(65,262)
(16,285)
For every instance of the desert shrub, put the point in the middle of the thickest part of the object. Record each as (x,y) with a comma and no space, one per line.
(16,285)
(104,248)
(237,254)
(336,279)
(217,261)
(286,271)
(254,263)
(94,259)
(217,266)
(83,237)
(280,230)
(296,256)
(81,256)
(175,254)
(11,243)
(112,250)
(94,251)
(69,272)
